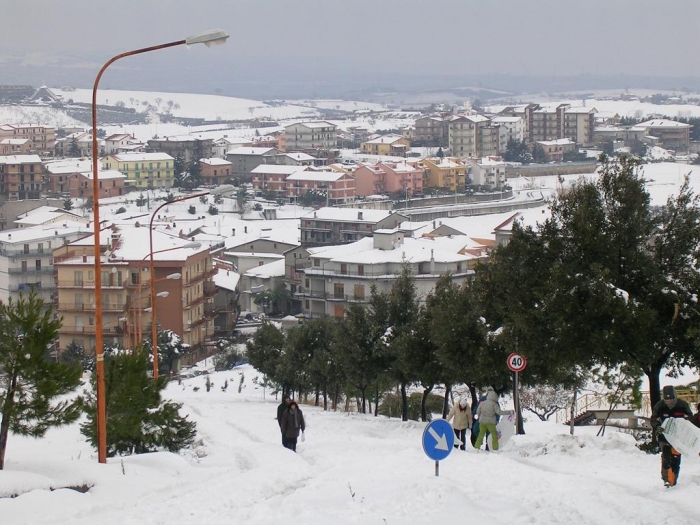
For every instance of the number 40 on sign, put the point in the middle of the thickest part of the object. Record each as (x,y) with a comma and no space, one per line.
(517,362)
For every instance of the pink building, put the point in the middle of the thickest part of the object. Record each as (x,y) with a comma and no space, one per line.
(340,186)
(215,170)
(389,177)
(111,184)
(15,146)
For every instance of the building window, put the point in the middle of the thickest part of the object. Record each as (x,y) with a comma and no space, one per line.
(360,269)
(338,291)
(78,278)
(359,291)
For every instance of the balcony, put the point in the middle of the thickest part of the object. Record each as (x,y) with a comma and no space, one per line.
(31,270)
(210,309)
(86,307)
(209,288)
(15,254)
(72,329)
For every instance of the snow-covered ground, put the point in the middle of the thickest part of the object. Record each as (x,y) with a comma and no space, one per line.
(351,469)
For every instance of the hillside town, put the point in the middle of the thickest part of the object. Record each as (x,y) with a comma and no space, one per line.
(341,205)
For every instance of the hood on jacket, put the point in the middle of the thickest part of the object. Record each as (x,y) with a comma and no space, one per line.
(491,395)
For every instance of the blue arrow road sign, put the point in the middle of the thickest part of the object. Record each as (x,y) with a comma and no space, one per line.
(438,439)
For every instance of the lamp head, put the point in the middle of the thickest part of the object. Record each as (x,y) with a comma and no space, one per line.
(213,37)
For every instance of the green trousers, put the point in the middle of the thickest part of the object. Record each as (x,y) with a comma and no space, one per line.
(483,428)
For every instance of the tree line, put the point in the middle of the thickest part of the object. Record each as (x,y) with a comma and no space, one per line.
(605,286)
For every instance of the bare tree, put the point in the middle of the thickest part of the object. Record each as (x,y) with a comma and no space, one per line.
(543,401)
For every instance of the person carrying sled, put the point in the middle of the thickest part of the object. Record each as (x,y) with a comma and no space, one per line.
(292,423)
(486,413)
(669,406)
(462,414)
(280,412)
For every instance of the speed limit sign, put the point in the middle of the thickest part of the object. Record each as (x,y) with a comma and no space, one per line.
(517,362)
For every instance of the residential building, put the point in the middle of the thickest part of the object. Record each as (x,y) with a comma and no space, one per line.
(554,150)
(548,123)
(448,173)
(57,173)
(338,187)
(390,177)
(330,226)
(487,171)
(226,281)
(579,124)
(49,216)
(510,128)
(20,177)
(472,136)
(122,143)
(257,281)
(341,275)
(143,170)
(15,146)
(42,138)
(432,130)
(186,147)
(394,145)
(272,177)
(310,136)
(245,159)
(77,144)
(110,184)
(221,145)
(295,261)
(11,210)
(26,258)
(215,171)
(299,158)
(184,272)
(672,134)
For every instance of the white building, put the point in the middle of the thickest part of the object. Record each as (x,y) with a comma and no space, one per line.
(510,128)
(26,258)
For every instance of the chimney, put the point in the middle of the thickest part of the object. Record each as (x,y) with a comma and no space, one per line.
(233,232)
(432,262)
(245,229)
(433,224)
(359,215)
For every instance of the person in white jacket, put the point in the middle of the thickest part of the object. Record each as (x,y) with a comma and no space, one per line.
(462,414)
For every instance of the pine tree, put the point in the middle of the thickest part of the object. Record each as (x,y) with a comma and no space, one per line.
(138,419)
(30,383)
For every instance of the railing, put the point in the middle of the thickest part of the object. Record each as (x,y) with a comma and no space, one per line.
(31,269)
(85,307)
(72,329)
(13,254)
(588,402)
(89,284)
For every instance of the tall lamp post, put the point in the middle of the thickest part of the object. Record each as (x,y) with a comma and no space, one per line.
(208,38)
(154,330)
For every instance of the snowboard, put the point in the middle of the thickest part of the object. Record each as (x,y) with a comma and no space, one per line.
(505,429)
(682,435)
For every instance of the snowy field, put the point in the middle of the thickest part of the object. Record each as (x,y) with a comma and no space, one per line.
(351,469)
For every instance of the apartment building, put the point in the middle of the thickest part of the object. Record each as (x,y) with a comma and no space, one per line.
(308,136)
(432,130)
(579,125)
(143,170)
(448,173)
(187,147)
(42,138)
(338,186)
(390,177)
(548,123)
(393,145)
(215,171)
(341,275)
(272,177)
(77,144)
(57,173)
(472,136)
(122,143)
(183,271)
(15,146)
(509,128)
(110,184)
(26,258)
(245,159)
(20,177)
(487,171)
(673,135)
(330,226)
(554,150)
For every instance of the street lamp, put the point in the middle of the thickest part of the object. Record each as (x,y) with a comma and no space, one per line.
(226,188)
(207,38)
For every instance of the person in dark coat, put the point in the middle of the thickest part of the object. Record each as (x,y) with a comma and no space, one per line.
(669,406)
(280,411)
(696,417)
(292,423)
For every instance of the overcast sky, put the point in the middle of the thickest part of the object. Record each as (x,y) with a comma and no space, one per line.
(291,40)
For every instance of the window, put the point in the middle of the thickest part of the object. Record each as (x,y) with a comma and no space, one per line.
(24,266)
(343,268)
(37,265)
(338,291)
(26,248)
(78,278)
(359,291)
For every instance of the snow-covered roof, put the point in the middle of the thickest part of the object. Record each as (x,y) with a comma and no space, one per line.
(59,167)
(20,159)
(581,109)
(15,142)
(247,150)
(663,123)
(215,161)
(37,233)
(226,279)
(349,214)
(44,214)
(276,169)
(104,174)
(265,271)
(315,124)
(318,176)
(140,157)
(300,156)
(385,139)
(557,142)
(506,120)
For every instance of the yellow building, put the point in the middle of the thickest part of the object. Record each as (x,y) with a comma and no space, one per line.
(394,145)
(143,170)
(447,173)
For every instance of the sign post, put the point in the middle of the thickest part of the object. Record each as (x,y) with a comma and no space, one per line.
(517,363)
(438,441)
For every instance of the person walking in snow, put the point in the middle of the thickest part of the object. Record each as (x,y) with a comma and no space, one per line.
(292,423)
(487,413)
(284,405)
(462,414)
(669,406)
